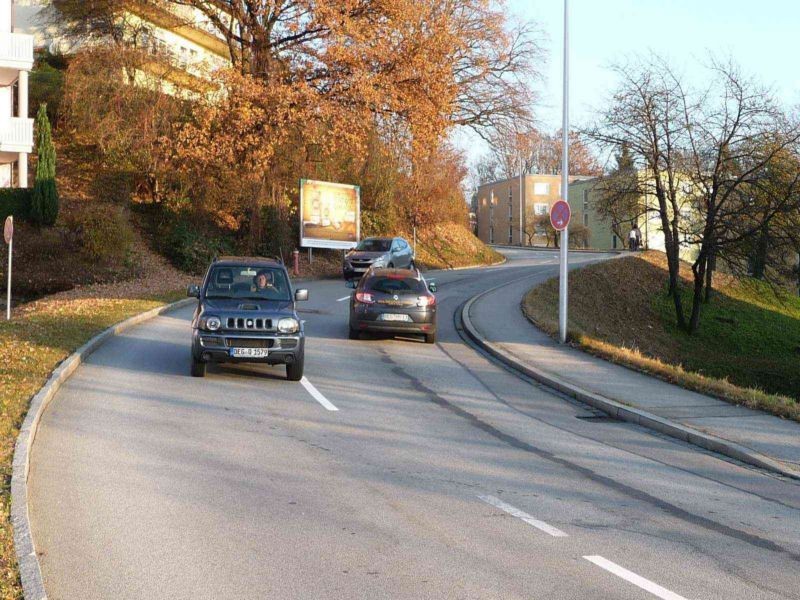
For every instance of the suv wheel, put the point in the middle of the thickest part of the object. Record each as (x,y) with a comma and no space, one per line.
(430,338)
(354,334)
(294,371)
(198,368)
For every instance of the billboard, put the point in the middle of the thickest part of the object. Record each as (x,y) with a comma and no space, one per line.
(329,214)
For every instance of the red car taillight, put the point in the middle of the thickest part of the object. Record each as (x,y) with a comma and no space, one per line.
(429,300)
(365,298)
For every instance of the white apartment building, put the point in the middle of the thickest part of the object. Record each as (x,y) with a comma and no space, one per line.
(16,128)
(183,35)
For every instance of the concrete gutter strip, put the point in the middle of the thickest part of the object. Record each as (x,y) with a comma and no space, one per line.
(622,411)
(30,571)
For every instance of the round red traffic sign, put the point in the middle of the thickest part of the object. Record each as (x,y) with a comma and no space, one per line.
(8,230)
(560,214)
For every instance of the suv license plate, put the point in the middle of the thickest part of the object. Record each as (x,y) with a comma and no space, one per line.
(249,352)
(391,317)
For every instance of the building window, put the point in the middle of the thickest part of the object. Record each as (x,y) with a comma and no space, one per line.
(585,219)
(510,238)
(491,234)
(585,199)
(540,208)
(541,189)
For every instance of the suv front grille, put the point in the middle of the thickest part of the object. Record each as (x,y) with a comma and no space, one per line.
(249,324)
(249,343)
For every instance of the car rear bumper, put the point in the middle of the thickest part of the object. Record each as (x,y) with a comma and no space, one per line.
(364,318)
(377,326)
(282,349)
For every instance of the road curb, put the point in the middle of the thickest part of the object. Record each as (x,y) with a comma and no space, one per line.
(554,250)
(27,559)
(621,411)
(467,267)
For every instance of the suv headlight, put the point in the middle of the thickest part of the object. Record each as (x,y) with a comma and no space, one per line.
(289,325)
(210,323)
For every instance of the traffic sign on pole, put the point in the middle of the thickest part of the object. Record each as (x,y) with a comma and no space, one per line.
(8,236)
(560,214)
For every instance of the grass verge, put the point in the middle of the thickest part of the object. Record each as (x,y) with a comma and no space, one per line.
(40,336)
(746,351)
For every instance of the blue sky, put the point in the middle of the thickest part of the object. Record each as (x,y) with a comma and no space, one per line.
(763,37)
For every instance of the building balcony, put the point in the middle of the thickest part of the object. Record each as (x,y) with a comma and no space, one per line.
(16,54)
(16,135)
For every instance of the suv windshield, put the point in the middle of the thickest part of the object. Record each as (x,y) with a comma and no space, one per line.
(373,245)
(396,285)
(248,283)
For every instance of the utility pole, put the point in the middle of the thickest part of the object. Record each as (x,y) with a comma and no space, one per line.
(564,250)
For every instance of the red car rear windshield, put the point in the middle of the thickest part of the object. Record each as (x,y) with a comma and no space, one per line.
(395,285)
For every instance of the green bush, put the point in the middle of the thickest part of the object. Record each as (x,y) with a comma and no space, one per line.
(190,248)
(102,232)
(44,203)
(47,87)
(15,202)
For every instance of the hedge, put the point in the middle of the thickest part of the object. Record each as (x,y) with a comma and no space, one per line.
(15,202)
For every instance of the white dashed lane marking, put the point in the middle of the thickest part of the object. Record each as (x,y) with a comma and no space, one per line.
(633,578)
(343,299)
(515,512)
(317,395)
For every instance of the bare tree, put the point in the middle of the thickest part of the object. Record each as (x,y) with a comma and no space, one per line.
(619,200)
(708,158)
(647,115)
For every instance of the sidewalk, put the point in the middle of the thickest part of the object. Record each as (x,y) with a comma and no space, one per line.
(748,435)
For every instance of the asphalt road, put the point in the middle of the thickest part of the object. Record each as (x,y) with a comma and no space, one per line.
(441,475)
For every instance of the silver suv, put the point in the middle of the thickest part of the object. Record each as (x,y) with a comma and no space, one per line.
(378,253)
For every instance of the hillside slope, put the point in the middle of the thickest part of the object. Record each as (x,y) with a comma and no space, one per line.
(749,336)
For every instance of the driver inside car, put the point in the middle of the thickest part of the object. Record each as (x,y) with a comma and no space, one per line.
(263,281)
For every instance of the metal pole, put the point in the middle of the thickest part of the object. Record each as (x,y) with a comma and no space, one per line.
(521,206)
(8,289)
(564,250)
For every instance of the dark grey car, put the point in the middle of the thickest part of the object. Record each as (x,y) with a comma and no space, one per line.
(377,252)
(396,301)
(246,313)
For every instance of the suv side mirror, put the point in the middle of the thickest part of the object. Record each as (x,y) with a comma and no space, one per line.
(432,287)
(300,295)
(193,291)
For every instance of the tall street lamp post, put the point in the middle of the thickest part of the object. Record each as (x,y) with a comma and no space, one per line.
(564,250)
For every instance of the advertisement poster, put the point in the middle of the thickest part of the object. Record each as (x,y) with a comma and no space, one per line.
(330,214)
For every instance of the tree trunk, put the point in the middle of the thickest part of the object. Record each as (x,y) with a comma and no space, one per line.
(712,266)
(699,270)
(760,258)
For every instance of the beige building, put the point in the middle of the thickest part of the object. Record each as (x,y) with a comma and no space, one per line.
(499,210)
